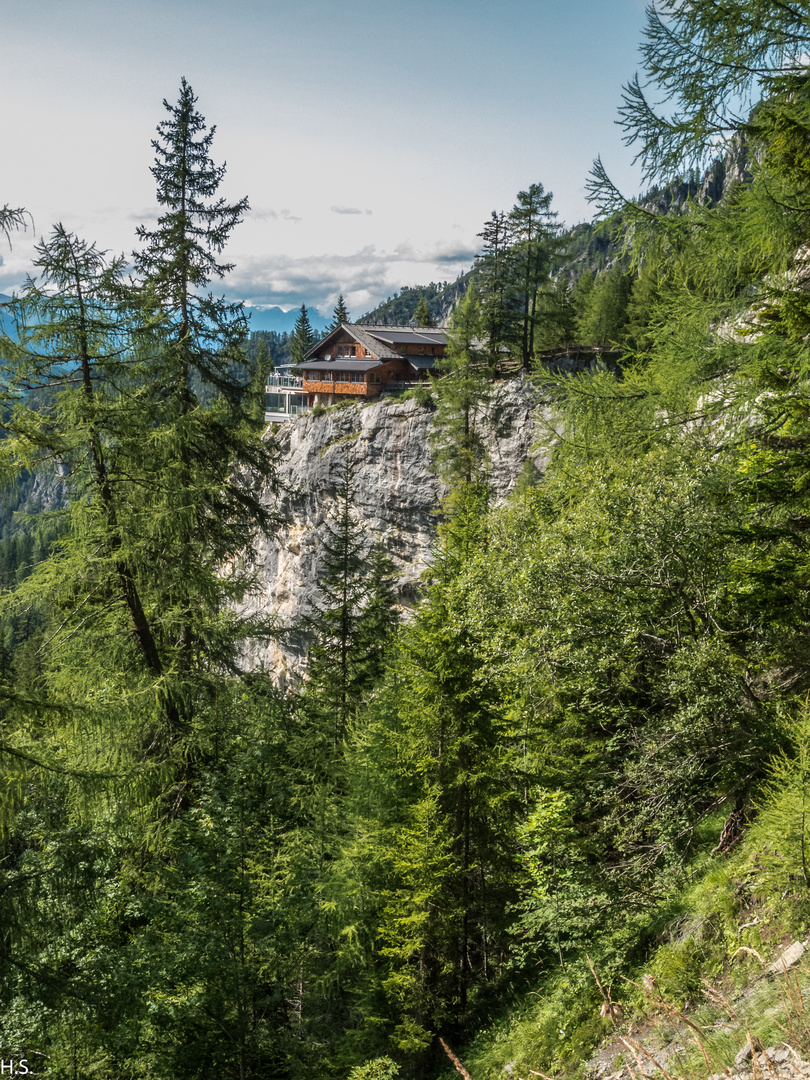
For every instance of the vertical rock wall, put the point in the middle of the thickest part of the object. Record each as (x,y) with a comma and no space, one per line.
(397,494)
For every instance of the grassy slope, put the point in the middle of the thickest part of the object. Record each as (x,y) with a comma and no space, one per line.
(695,993)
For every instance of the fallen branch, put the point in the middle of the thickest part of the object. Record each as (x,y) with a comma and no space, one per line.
(456,1063)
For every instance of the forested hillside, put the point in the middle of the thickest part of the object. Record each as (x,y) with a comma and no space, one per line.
(569,792)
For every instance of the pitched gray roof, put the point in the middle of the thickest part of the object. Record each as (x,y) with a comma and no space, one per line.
(408,335)
(424,363)
(337,365)
(382,341)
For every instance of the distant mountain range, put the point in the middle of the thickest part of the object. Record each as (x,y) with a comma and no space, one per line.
(275,318)
(5,325)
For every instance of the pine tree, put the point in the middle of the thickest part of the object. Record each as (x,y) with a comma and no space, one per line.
(302,338)
(340,314)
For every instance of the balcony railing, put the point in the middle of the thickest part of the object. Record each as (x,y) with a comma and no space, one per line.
(284,380)
(395,387)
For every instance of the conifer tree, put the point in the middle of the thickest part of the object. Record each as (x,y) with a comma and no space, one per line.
(556,315)
(194,445)
(355,613)
(512,269)
(462,393)
(605,310)
(493,277)
(180,256)
(422,314)
(80,323)
(302,338)
(264,361)
(11,218)
(340,314)
(532,233)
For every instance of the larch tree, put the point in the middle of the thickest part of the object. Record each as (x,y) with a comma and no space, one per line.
(532,233)
(136,394)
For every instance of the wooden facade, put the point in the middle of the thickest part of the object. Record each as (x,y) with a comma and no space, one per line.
(367,361)
(355,383)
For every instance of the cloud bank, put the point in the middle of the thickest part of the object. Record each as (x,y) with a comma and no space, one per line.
(365,277)
(349,210)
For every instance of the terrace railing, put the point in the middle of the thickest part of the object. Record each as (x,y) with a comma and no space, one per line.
(284,380)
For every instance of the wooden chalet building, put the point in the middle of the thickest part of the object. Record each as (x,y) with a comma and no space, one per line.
(359,362)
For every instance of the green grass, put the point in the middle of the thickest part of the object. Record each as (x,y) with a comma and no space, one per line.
(702,964)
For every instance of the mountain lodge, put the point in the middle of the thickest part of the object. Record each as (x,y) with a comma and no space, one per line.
(356,361)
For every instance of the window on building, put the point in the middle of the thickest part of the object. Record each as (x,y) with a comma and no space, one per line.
(275,403)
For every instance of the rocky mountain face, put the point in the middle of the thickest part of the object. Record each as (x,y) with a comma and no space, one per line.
(399,309)
(732,169)
(397,493)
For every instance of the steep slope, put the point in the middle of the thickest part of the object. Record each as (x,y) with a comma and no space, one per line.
(397,495)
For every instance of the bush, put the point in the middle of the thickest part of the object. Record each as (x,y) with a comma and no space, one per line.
(421,394)
(378,1069)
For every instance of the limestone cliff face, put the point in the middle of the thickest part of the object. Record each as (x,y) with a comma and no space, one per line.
(397,493)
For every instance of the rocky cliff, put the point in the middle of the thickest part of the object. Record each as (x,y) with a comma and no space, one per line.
(397,495)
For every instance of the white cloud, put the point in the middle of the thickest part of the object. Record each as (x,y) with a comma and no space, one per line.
(364,277)
(265,213)
(347,210)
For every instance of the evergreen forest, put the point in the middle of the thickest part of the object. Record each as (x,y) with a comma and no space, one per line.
(570,792)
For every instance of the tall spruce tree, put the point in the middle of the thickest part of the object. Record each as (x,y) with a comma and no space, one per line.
(303,336)
(180,257)
(205,511)
(340,314)
(354,617)
(136,395)
(461,395)
(492,271)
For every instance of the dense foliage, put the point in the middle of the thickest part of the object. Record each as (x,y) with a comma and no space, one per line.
(604,682)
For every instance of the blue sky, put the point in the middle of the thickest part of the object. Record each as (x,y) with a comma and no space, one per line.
(372,138)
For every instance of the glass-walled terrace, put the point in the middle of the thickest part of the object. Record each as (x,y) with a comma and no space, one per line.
(280,398)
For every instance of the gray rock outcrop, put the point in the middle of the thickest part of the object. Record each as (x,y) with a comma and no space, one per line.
(397,493)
